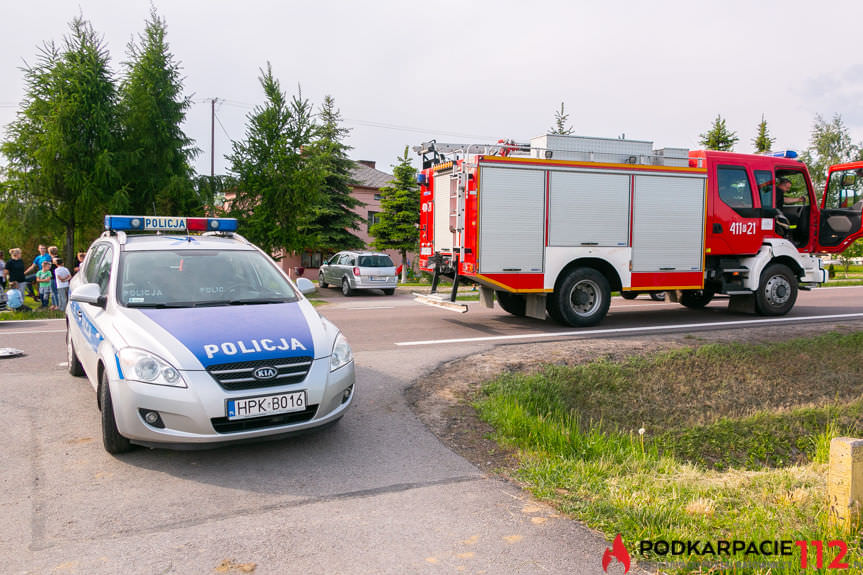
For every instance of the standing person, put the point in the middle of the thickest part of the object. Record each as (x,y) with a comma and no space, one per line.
(54,252)
(62,275)
(43,277)
(15,270)
(35,267)
(15,298)
(80,262)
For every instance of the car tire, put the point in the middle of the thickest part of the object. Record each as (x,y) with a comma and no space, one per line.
(777,290)
(696,299)
(321,282)
(629,294)
(512,303)
(658,296)
(583,297)
(113,442)
(389,291)
(74,364)
(346,288)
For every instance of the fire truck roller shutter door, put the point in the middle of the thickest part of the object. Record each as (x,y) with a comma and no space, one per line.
(588,209)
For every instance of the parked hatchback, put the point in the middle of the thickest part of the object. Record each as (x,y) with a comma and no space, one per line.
(359,270)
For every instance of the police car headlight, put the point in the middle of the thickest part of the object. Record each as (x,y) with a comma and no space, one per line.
(342,354)
(139,365)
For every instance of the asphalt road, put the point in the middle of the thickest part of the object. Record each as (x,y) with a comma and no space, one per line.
(377,493)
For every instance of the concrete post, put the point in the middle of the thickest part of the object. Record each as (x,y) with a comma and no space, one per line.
(845,481)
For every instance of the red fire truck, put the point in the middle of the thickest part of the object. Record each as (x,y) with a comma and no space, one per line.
(554,226)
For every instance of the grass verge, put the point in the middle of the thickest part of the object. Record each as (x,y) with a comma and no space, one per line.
(734,443)
(9,315)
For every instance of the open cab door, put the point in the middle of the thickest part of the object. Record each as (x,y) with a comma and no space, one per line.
(841,218)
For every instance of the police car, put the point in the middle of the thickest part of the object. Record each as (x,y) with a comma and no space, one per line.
(199,340)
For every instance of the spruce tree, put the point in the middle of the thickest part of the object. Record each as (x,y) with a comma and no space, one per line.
(397,228)
(61,148)
(278,174)
(719,137)
(560,128)
(331,218)
(155,166)
(762,142)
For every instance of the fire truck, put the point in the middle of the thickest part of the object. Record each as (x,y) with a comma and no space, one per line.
(554,226)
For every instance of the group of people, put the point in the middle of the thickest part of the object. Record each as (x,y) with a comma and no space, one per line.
(46,280)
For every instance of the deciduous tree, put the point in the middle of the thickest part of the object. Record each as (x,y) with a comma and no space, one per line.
(830,144)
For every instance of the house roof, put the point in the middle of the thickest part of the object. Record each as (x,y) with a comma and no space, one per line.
(369,177)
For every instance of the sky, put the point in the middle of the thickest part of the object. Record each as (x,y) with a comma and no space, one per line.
(475,71)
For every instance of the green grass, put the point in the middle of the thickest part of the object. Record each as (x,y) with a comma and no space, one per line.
(35,314)
(734,446)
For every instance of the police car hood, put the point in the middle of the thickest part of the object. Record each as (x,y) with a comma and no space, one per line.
(192,338)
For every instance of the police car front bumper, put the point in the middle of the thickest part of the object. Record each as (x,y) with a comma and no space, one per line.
(188,414)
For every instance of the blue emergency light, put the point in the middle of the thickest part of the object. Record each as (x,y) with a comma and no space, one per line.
(790,154)
(169,224)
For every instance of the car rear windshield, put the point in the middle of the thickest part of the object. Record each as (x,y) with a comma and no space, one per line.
(187,278)
(382,261)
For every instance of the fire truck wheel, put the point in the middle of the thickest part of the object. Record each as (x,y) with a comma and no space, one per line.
(658,296)
(696,299)
(389,291)
(583,297)
(346,288)
(512,303)
(629,294)
(777,290)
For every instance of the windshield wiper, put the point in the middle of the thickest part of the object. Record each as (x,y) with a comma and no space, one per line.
(255,301)
(162,305)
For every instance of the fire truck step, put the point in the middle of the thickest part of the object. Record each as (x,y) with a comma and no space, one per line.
(441,301)
(739,292)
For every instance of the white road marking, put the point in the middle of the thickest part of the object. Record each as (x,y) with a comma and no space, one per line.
(2,333)
(374,307)
(588,333)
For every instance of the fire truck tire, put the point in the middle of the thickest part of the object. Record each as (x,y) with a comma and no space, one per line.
(657,296)
(629,294)
(696,299)
(583,297)
(777,290)
(346,288)
(389,291)
(512,303)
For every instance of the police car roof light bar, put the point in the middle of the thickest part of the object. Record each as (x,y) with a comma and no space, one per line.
(169,224)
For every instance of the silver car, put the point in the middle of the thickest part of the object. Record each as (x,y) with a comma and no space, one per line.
(200,340)
(353,271)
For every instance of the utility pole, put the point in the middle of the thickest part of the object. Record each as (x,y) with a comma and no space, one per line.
(212,138)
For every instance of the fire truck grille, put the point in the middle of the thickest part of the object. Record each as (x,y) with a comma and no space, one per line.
(241,375)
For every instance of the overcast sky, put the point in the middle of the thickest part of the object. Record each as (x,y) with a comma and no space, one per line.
(402,72)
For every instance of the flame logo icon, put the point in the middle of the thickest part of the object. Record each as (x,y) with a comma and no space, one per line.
(619,552)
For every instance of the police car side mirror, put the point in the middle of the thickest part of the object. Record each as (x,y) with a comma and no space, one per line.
(88,293)
(306,286)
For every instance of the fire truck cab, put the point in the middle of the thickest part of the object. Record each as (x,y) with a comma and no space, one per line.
(554,226)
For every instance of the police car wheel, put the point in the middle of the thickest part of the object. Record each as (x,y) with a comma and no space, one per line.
(777,290)
(321,281)
(111,438)
(346,288)
(74,364)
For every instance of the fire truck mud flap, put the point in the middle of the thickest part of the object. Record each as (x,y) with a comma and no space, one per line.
(441,301)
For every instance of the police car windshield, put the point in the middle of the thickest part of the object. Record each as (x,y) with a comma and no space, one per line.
(185,278)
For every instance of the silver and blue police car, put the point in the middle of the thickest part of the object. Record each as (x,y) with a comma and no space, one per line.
(199,340)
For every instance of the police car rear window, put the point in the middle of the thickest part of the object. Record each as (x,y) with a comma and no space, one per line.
(186,278)
(375,262)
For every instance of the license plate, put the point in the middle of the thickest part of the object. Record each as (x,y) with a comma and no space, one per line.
(266,405)
(378,278)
